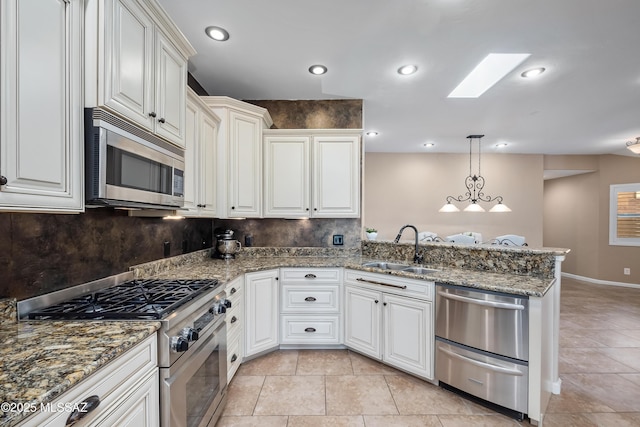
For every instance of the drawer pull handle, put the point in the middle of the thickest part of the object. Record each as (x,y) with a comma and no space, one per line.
(310,299)
(310,330)
(233,291)
(310,276)
(83,409)
(484,365)
(234,358)
(234,319)
(360,279)
(493,304)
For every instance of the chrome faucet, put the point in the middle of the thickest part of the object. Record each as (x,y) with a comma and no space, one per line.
(418,257)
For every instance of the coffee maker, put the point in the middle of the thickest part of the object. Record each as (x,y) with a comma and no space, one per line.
(226,245)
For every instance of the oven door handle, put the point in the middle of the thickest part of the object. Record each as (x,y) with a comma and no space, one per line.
(492,304)
(485,365)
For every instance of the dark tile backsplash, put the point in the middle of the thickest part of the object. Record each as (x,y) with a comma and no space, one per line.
(314,114)
(294,232)
(45,252)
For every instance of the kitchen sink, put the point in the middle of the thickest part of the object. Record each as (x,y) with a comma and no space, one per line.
(420,270)
(399,267)
(385,265)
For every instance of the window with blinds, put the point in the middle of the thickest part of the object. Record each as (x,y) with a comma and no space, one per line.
(628,214)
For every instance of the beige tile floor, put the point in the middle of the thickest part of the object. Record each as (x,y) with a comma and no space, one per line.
(599,367)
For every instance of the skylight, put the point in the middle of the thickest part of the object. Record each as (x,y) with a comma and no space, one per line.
(487,73)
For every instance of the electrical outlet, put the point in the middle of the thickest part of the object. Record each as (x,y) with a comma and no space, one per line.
(627,271)
(166,246)
(338,239)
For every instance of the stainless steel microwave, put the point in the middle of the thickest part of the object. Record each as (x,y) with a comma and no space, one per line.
(128,167)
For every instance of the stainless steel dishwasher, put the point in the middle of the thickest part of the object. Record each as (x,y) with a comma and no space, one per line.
(482,346)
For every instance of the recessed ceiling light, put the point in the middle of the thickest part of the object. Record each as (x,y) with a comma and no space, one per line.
(317,69)
(372,133)
(429,144)
(501,145)
(533,72)
(487,73)
(217,33)
(406,70)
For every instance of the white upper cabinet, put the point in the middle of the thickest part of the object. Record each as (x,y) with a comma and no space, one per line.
(312,173)
(136,65)
(239,169)
(200,158)
(41,111)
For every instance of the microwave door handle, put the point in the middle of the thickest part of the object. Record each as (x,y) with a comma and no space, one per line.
(492,304)
(485,365)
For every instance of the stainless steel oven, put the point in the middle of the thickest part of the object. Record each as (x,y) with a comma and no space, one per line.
(482,340)
(192,390)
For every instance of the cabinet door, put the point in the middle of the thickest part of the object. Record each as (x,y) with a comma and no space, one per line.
(139,409)
(170,95)
(245,166)
(362,319)
(192,158)
(128,75)
(41,117)
(209,158)
(286,174)
(261,311)
(407,334)
(336,177)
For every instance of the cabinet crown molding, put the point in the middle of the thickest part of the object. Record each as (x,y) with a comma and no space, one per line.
(153,8)
(244,107)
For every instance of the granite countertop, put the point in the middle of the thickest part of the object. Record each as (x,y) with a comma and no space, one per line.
(226,270)
(40,360)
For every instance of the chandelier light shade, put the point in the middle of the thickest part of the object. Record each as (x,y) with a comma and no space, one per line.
(634,146)
(475,185)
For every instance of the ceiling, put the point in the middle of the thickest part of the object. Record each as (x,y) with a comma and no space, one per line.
(587,101)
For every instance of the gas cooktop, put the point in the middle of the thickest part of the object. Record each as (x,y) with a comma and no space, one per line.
(141,299)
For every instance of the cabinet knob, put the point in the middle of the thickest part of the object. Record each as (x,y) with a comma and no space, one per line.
(384,303)
(234,319)
(376,301)
(315,209)
(234,358)
(233,291)
(161,120)
(84,407)
(307,209)
(233,207)
(3,180)
(152,114)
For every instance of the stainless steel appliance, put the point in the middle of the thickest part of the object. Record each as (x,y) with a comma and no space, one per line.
(226,245)
(482,346)
(128,167)
(191,341)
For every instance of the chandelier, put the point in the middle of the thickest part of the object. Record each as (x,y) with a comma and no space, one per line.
(634,146)
(475,184)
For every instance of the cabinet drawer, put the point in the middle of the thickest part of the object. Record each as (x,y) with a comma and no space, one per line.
(310,275)
(234,320)
(310,299)
(234,355)
(391,284)
(310,329)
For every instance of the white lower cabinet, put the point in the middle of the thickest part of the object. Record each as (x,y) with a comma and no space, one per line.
(235,326)
(261,312)
(310,306)
(389,326)
(127,390)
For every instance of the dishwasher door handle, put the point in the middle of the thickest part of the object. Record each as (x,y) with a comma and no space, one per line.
(485,365)
(493,304)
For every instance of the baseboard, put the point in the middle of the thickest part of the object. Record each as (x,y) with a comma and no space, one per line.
(600,282)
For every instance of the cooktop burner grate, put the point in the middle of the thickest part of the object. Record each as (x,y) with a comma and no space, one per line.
(135,299)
